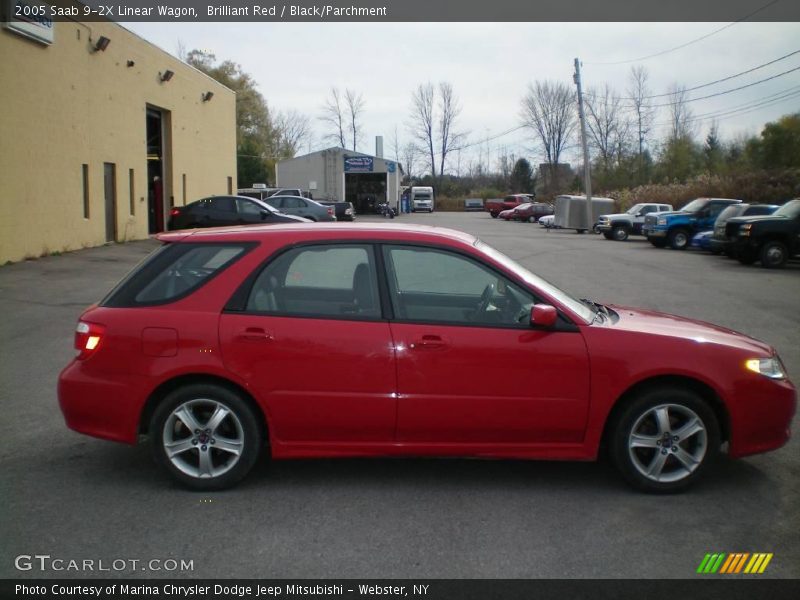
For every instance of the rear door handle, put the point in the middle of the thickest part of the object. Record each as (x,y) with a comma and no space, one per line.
(254,334)
(428,342)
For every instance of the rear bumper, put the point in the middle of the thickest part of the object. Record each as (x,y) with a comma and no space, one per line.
(99,407)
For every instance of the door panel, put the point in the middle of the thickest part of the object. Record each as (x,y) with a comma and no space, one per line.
(321,380)
(479,384)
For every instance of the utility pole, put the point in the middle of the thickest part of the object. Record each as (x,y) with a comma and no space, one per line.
(587,174)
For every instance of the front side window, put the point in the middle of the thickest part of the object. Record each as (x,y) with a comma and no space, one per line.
(174,271)
(319,281)
(247,208)
(431,285)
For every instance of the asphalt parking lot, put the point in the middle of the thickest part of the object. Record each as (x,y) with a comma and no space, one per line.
(74,497)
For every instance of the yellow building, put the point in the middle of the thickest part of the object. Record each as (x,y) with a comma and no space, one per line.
(100,133)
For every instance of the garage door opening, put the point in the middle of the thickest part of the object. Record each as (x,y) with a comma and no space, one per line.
(365,190)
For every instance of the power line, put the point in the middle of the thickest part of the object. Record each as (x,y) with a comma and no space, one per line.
(697,87)
(689,43)
(741,87)
(742,109)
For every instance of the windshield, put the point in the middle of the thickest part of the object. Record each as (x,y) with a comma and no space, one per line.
(561,296)
(634,210)
(730,212)
(695,205)
(790,210)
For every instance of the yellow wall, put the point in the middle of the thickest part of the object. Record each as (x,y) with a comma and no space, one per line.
(62,106)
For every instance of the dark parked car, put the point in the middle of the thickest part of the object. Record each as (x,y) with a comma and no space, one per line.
(344,211)
(719,241)
(300,341)
(772,239)
(302,207)
(219,211)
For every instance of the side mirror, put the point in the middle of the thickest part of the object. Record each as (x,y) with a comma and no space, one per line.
(543,315)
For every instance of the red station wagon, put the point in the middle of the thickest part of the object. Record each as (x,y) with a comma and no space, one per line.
(316,341)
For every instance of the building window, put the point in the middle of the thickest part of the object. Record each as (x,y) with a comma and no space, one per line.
(132,191)
(85,191)
(230,185)
(184,189)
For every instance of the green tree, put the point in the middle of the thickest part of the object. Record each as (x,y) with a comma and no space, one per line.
(713,154)
(780,143)
(522,176)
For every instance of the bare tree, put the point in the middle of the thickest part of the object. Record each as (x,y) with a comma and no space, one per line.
(355,108)
(548,108)
(333,116)
(449,109)
(605,122)
(422,122)
(293,129)
(640,93)
(681,124)
(410,154)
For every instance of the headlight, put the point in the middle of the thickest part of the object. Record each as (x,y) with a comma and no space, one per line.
(661,222)
(768,367)
(745,229)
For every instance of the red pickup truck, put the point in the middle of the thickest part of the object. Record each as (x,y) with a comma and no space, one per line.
(496,206)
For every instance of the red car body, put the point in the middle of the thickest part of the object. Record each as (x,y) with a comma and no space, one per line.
(529,211)
(495,206)
(345,387)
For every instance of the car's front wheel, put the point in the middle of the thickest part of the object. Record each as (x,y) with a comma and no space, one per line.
(774,255)
(206,436)
(664,440)
(678,239)
(620,233)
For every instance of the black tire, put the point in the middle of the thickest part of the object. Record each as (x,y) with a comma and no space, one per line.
(774,254)
(658,242)
(639,416)
(494,214)
(607,235)
(619,233)
(580,231)
(241,424)
(678,239)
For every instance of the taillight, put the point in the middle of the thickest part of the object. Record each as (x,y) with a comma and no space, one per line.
(88,338)
(174,212)
(330,210)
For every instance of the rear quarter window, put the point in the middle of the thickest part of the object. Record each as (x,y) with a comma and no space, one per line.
(173,272)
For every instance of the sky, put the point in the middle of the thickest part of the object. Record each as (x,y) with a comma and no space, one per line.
(490,66)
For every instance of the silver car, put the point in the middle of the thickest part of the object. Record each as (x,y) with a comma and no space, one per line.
(302,207)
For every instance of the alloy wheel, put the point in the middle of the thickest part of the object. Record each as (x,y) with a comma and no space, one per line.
(667,443)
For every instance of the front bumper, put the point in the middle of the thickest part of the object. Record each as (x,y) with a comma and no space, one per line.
(761,415)
(654,232)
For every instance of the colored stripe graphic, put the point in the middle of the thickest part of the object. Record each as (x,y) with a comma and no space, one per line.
(733,563)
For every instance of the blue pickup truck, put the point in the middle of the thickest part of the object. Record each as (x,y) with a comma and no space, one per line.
(677,228)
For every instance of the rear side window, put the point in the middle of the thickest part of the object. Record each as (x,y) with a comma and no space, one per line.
(173,272)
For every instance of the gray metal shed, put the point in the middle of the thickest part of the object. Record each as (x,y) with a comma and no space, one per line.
(340,174)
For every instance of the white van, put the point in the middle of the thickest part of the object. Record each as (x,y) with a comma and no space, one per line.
(420,198)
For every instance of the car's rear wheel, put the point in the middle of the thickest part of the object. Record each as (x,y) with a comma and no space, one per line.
(620,233)
(678,239)
(206,436)
(494,214)
(774,255)
(664,440)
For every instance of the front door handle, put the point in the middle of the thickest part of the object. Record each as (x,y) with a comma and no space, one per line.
(428,342)
(254,334)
